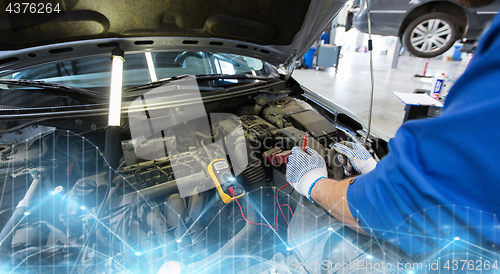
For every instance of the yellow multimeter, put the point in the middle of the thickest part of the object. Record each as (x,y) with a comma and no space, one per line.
(223,179)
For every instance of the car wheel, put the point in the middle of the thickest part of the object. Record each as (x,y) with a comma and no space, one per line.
(430,35)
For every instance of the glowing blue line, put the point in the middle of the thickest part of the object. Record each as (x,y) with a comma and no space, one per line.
(116,235)
(209,204)
(62,246)
(14,228)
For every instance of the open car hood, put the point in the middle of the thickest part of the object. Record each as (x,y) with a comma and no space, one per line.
(276,31)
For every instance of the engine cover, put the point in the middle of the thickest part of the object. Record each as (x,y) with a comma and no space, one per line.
(276,111)
(312,122)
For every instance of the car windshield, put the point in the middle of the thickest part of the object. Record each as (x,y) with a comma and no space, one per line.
(141,68)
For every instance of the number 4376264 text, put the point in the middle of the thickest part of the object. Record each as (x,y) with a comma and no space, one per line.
(32,8)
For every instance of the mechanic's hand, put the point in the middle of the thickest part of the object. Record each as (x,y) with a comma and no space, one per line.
(304,169)
(359,157)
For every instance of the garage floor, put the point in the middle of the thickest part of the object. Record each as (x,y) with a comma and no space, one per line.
(350,86)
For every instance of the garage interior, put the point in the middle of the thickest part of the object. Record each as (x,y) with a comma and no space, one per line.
(349,84)
(202,137)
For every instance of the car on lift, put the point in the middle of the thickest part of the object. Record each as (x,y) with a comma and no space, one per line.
(427,28)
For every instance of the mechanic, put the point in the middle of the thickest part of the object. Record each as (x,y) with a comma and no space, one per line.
(441,179)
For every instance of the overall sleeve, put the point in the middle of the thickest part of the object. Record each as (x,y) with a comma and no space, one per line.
(441,178)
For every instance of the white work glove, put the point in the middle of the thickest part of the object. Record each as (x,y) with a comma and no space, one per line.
(360,158)
(304,169)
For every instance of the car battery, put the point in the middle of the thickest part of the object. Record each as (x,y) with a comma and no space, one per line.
(268,157)
(316,125)
(287,138)
(275,157)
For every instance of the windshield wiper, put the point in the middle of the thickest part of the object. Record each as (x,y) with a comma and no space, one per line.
(53,87)
(205,77)
(233,76)
(156,83)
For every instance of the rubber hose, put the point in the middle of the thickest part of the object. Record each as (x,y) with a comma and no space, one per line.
(4,150)
(8,230)
(44,152)
(205,136)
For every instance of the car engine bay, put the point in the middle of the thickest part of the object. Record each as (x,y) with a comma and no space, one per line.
(85,218)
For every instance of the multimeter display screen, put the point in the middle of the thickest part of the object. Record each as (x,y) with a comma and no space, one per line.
(220,165)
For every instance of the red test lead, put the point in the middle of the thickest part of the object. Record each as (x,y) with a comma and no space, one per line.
(231,190)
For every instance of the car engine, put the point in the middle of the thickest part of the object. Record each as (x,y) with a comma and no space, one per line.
(85,218)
